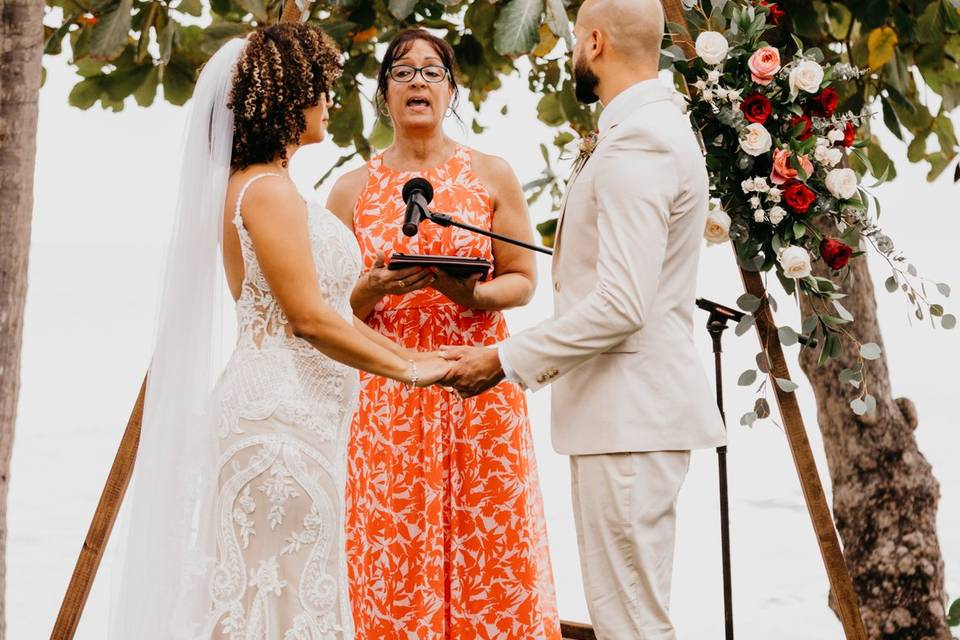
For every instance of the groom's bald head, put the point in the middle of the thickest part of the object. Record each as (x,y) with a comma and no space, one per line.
(633,29)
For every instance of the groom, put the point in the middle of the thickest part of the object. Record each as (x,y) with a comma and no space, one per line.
(630,397)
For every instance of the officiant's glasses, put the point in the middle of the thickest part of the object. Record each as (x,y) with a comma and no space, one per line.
(432,73)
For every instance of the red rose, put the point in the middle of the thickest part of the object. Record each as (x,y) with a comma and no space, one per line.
(824,103)
(849,134)
(807,126)
(835,253)
(798,196)
(776,13)
(756,108)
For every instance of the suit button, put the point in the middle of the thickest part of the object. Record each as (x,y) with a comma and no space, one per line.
(556,286)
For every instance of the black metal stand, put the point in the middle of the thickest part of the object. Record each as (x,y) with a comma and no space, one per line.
(716,324)
(447,220)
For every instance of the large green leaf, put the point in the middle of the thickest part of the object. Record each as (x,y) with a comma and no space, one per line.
(401,9)
(85,93)
(147,91)
(120,84)
(177,82)
(109,36)
(517,28)
(558,21)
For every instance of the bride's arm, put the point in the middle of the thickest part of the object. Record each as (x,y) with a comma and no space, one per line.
(276,218)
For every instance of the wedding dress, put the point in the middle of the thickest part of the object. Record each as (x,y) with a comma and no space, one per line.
(283,414)
(234,517)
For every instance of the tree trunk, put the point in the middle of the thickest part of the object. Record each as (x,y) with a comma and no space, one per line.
(884,493)
(21,46)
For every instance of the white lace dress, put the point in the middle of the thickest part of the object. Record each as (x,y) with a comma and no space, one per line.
(284,416)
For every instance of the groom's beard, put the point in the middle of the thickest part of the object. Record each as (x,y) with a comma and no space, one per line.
(585,82)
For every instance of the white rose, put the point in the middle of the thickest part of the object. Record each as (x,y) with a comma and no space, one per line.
(760,184)
(733,95)
(773,195)
(755,202)
(829,156)
(747,185)
(806,76)
(757,140)
(835,135)
(713,76)
(795,262)
(712,47)
(718,227)
(758,215)
(777,214)
(842,183)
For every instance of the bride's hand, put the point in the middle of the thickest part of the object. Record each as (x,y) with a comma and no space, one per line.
(432,369)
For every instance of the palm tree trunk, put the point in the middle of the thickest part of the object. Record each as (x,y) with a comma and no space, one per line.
(884,493)
(21,46)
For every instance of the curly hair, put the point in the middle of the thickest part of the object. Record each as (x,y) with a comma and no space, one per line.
(284,69)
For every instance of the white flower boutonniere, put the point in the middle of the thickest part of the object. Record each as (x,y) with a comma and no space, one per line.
(587,145)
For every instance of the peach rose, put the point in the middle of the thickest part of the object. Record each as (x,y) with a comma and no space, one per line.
(764,64)
(782,171)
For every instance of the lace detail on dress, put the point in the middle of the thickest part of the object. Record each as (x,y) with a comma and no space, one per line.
(284,411)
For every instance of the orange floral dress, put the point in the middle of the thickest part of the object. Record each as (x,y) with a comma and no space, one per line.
(445,528)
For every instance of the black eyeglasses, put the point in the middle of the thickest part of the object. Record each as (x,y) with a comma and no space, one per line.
(431,73)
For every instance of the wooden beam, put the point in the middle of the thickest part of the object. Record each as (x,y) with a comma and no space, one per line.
(99,532)
(848,606)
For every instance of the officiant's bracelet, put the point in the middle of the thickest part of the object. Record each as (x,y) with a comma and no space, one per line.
(414,378)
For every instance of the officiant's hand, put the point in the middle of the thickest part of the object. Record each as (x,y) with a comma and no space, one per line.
(460,290)
(473,370)
(380,281)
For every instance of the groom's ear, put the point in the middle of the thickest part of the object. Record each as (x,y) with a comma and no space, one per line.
(596,42)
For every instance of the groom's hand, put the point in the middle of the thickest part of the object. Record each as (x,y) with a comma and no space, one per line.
(474,370)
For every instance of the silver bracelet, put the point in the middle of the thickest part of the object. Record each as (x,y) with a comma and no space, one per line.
(414,378)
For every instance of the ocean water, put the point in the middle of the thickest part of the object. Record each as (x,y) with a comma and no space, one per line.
(104,190)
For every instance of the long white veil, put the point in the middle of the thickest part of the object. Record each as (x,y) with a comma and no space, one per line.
(167,543)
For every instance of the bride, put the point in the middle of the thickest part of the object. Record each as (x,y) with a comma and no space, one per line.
(235,517)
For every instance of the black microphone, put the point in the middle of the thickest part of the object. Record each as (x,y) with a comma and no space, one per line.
(417,193)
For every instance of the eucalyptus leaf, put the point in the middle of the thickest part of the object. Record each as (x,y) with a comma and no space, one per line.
(859,406)
(948,321)
(761,408)
(748,419)
(747,378)
(870,351)
(944,289)
(748,302)
(788,337)
(871,403)
(842,311)
(789,386)
(763,362)
(744,325)
(891,284)
(809,324)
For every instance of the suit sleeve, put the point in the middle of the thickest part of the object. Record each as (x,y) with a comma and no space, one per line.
(635,186)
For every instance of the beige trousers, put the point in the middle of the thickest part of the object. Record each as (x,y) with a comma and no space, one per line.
(624,506)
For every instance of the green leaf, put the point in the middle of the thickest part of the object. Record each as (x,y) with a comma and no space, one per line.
(747,378)
(190,7)
(748,419)
(517,28)
(788,337)
(842,311)
(851,377)
(809,324)
(761,408)
(147,91)
(890,119)
(748,302)
(558,21)
(870,351)
(177,84)
(953,617)
(548,231)
(165,40)
(401,9)
(948,321)
(788,386)
(929,26)
(799,230)
(85,93)
(859,406)
(944,289)
(109,36)
(744,325)
(382,135)
(891,284)
(120,84)
(548,110)
(763,362)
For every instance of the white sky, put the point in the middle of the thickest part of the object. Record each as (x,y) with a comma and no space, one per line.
(104,196)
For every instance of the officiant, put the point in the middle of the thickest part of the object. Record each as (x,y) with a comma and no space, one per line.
(445,524)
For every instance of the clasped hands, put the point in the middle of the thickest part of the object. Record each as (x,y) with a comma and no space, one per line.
(467,370)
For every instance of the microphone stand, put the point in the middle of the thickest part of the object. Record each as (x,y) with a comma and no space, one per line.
(716,324)
(447,220)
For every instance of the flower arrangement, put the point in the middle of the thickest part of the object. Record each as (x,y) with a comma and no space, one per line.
(777,149)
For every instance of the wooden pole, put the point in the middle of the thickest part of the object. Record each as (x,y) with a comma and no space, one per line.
(99,532)
(848,606)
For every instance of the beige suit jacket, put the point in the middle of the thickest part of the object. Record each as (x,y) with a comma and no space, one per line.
(620,351)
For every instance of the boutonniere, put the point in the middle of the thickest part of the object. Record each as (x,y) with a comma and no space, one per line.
(588,144)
